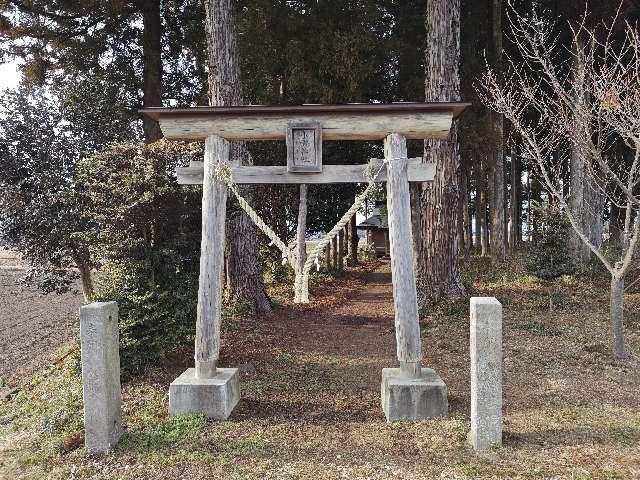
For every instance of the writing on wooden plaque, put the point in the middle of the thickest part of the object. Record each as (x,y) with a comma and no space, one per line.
(304,147)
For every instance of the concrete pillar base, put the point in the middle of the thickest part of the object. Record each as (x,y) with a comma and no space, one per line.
(410,399)
(214,397)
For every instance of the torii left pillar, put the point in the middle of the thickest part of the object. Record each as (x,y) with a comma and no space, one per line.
(208,389)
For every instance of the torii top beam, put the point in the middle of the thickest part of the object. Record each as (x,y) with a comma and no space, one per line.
(354,121)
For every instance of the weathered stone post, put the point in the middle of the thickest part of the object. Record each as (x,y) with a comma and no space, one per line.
(206,388)
(101,395)
(486,372)
(409,392)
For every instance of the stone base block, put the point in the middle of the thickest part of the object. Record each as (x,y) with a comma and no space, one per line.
(413,398)
(214,397)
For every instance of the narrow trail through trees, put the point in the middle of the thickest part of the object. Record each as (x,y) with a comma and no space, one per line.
(361,325)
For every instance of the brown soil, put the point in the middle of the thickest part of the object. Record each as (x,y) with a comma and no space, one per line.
(32,325)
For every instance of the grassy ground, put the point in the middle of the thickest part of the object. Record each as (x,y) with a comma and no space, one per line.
(310,395)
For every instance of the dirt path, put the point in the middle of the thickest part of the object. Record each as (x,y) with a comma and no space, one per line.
(360,326)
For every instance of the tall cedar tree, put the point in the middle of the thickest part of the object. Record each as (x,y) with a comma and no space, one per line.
(244,277)
(496,157)
(438,266)
(57,37)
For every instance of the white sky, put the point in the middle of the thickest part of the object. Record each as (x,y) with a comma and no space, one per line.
(9,75)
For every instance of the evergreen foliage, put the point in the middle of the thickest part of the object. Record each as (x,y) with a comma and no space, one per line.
(43,135)
(549,257)
(146,236)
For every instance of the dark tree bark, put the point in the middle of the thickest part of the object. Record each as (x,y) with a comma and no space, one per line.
(327,258)
(514,202)
(439,272)
(81,257)
(477,206)
(464,221)
(496,160)
(152,60)
(616,223)
(341,244)
(535,196)
(484,225)
(244,280)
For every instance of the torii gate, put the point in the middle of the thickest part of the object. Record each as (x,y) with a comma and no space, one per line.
(407,393)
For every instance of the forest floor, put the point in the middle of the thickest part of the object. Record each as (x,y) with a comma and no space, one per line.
(310,401)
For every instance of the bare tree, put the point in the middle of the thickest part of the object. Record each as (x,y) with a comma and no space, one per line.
(584,100)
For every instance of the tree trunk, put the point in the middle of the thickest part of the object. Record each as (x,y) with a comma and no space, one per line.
(585,201)
(334,253)
(301,287)
(346,230)
(484,227)
(416,213)
(87,282)
(439,263)
(464,221)
(616,313)
(514,202)
(82,260)
(341,243)
(496,159)
(152,66)
(616,223)
(535,196)
(477,207)
(244,280)
(327,258)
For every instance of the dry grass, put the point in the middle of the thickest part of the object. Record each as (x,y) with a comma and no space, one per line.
(310,397)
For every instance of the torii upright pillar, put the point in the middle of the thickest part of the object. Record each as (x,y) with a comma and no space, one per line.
(207,388)
(409,392)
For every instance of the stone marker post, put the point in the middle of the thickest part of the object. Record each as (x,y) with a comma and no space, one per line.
(100,375)
(486,372)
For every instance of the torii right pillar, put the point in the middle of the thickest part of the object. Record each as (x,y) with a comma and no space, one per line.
(409,392)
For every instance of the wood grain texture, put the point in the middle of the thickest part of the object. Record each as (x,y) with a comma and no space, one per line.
(306,109)
(335,126)
(304,148)
(301,287)
(409,348)
(210,285)
(416,170)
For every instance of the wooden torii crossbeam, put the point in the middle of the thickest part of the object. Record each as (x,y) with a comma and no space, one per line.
(410,392)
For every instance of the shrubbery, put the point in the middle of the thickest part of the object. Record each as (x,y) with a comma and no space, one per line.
(549,257)
(145,237)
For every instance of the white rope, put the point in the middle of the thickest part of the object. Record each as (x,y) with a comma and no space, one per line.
(321,245)
(223,174)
